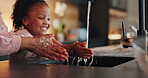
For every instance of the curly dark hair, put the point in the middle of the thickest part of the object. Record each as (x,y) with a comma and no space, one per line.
(20,11)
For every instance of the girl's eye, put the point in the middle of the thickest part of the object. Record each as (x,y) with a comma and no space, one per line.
(48,19)
(41,17)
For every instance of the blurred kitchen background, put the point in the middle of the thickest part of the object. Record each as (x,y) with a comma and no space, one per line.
(69,19)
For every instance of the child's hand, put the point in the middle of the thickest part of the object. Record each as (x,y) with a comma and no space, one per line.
(79,48)
(82,44)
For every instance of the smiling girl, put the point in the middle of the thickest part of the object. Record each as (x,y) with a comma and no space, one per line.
(32,18)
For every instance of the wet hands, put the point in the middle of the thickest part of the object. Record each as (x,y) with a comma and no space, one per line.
(48,47)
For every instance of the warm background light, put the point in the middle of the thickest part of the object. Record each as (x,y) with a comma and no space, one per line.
(114,36)
(69,15)
(6,9)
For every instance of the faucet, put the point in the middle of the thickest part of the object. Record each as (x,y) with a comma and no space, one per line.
(141,39)
(142,32)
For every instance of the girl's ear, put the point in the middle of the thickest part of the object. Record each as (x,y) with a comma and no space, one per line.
(25,21)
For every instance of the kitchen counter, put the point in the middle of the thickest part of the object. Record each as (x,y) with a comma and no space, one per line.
(129,69)
(24,70)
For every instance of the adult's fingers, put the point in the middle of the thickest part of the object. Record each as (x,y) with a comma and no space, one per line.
(59,49)
(56,42)
(48,47)
(56,54)
(42,52)
(47,52)
(49,56)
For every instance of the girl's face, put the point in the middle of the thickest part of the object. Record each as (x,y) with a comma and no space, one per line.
(38,19)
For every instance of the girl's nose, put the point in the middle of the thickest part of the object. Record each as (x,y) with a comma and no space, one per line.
(46,22)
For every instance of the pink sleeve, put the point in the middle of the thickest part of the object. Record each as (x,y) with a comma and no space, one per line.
(9,42)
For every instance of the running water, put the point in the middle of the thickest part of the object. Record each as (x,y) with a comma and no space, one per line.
(87,40)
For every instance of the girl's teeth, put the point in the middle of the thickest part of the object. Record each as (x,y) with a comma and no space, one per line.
(44,28)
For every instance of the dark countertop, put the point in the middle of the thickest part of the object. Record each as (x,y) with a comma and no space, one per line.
(130,69)
(19,70)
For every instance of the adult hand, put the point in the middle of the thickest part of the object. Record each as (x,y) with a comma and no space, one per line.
(48,47)
(79,49)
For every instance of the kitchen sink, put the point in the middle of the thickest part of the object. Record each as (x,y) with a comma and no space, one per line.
(98,61)
(110,61)
(101,61)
